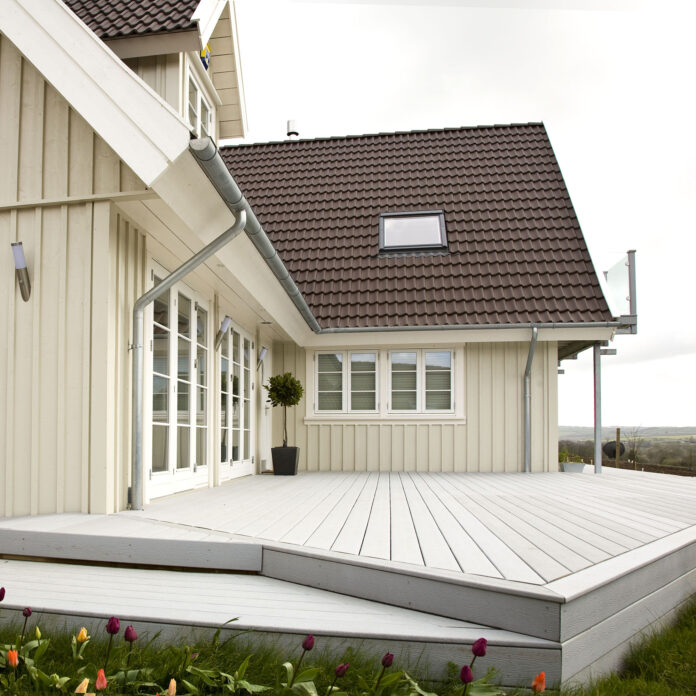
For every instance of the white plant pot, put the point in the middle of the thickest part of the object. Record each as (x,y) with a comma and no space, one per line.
(572,467)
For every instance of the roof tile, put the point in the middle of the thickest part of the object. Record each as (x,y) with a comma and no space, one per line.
(516,252)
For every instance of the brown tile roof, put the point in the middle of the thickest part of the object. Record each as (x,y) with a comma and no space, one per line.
(111,19)
(516,251)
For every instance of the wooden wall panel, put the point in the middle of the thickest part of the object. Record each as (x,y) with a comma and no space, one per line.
(491,439)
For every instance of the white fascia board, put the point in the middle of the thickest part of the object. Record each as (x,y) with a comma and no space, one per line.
(238,64)
(143,130)
(207,15)
(452,336)
(155,44)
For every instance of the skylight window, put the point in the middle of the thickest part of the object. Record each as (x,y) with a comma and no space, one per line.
(412,231)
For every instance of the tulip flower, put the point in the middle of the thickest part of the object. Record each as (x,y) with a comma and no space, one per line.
(113,626)
(82,686)
(307,644)
(171,691)
(2,593)
(37,633)
(466,675)
(479,647)
(26,613)
(82,636)
(387,661)
(338,672)
(130,636)
(539,683)
(12,658)
(100,684)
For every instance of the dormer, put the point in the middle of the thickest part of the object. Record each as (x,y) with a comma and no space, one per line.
(185,50)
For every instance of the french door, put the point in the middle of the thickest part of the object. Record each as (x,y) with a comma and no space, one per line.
(180,350)
(237,368)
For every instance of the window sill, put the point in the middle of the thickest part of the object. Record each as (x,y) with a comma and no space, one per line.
(391,419)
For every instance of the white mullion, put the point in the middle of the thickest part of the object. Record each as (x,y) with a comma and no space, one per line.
(173,346)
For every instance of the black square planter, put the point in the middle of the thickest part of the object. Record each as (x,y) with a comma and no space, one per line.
(285,460)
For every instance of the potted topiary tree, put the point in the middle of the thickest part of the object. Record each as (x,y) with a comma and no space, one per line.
(284,390)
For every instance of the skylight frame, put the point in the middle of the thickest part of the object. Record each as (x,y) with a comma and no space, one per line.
(402,248)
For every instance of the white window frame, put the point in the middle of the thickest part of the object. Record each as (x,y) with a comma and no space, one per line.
(420,409)
(203,97)
(425,246)
(346,378)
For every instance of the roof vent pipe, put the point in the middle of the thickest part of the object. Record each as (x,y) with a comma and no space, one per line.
(293,132)
(528,403)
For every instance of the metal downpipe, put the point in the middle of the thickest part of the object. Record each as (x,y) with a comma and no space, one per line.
(137,346)
(597,360)
(528,403)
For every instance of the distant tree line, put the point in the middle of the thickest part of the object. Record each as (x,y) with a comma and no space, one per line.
(641,452)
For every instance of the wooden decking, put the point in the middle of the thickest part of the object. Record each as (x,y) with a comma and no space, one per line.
(525,528)
(561,571)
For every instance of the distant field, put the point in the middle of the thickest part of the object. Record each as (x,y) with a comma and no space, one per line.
(577,432)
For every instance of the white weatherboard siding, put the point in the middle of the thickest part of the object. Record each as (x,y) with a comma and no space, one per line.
(162,74)
(58,405)
(488,438)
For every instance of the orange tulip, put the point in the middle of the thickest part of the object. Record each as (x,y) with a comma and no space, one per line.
(539,683)
(82,686)
(12,658)
(171,691)
(101,680)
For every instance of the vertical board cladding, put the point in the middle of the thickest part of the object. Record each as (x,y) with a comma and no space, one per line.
(49,152)
(490,440)
(161,73)
(54,170)
(226,77)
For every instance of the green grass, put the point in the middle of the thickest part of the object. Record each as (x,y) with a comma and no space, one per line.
(663,664)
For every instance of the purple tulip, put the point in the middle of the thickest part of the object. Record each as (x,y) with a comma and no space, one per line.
(2,593)
(130,635)
(479,647)
(308,642)
(387,660)
(342,669)
(466,675)
(26,613)
(113,626)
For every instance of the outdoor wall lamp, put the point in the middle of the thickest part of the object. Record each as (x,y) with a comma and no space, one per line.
(262,355)
(21,270)
(223,330)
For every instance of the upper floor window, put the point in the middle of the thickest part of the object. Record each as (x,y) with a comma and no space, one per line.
(412,231)
(199,111)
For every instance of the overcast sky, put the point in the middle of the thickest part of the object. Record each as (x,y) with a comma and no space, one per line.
(612,80)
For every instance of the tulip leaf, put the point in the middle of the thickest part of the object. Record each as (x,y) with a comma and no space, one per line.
(415,688)
(307,675)
(41,649)
(390,679)
(241,670)
(191,687)
(306,687)
(289,670)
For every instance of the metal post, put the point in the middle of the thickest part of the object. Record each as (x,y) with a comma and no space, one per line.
(528,403)
(618,447)
(597,410)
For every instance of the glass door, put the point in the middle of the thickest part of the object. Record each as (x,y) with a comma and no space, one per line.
(236,405)
(179,428)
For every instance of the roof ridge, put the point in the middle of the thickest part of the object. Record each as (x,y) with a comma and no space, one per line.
(419,131)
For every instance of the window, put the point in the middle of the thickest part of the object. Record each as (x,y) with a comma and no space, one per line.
(420,381)
(416,382)
(346,382)
(412,231)
(199,110)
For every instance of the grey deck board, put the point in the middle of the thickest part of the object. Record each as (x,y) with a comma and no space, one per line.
(377,540)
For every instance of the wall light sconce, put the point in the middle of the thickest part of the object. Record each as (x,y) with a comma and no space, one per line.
(21,271)
(262,355)
(223,330)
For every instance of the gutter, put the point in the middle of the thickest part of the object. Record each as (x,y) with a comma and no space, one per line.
(208,157)
(470,327)
(528,403)
(137,347)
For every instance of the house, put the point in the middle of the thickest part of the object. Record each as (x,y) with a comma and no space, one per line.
(412,281)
